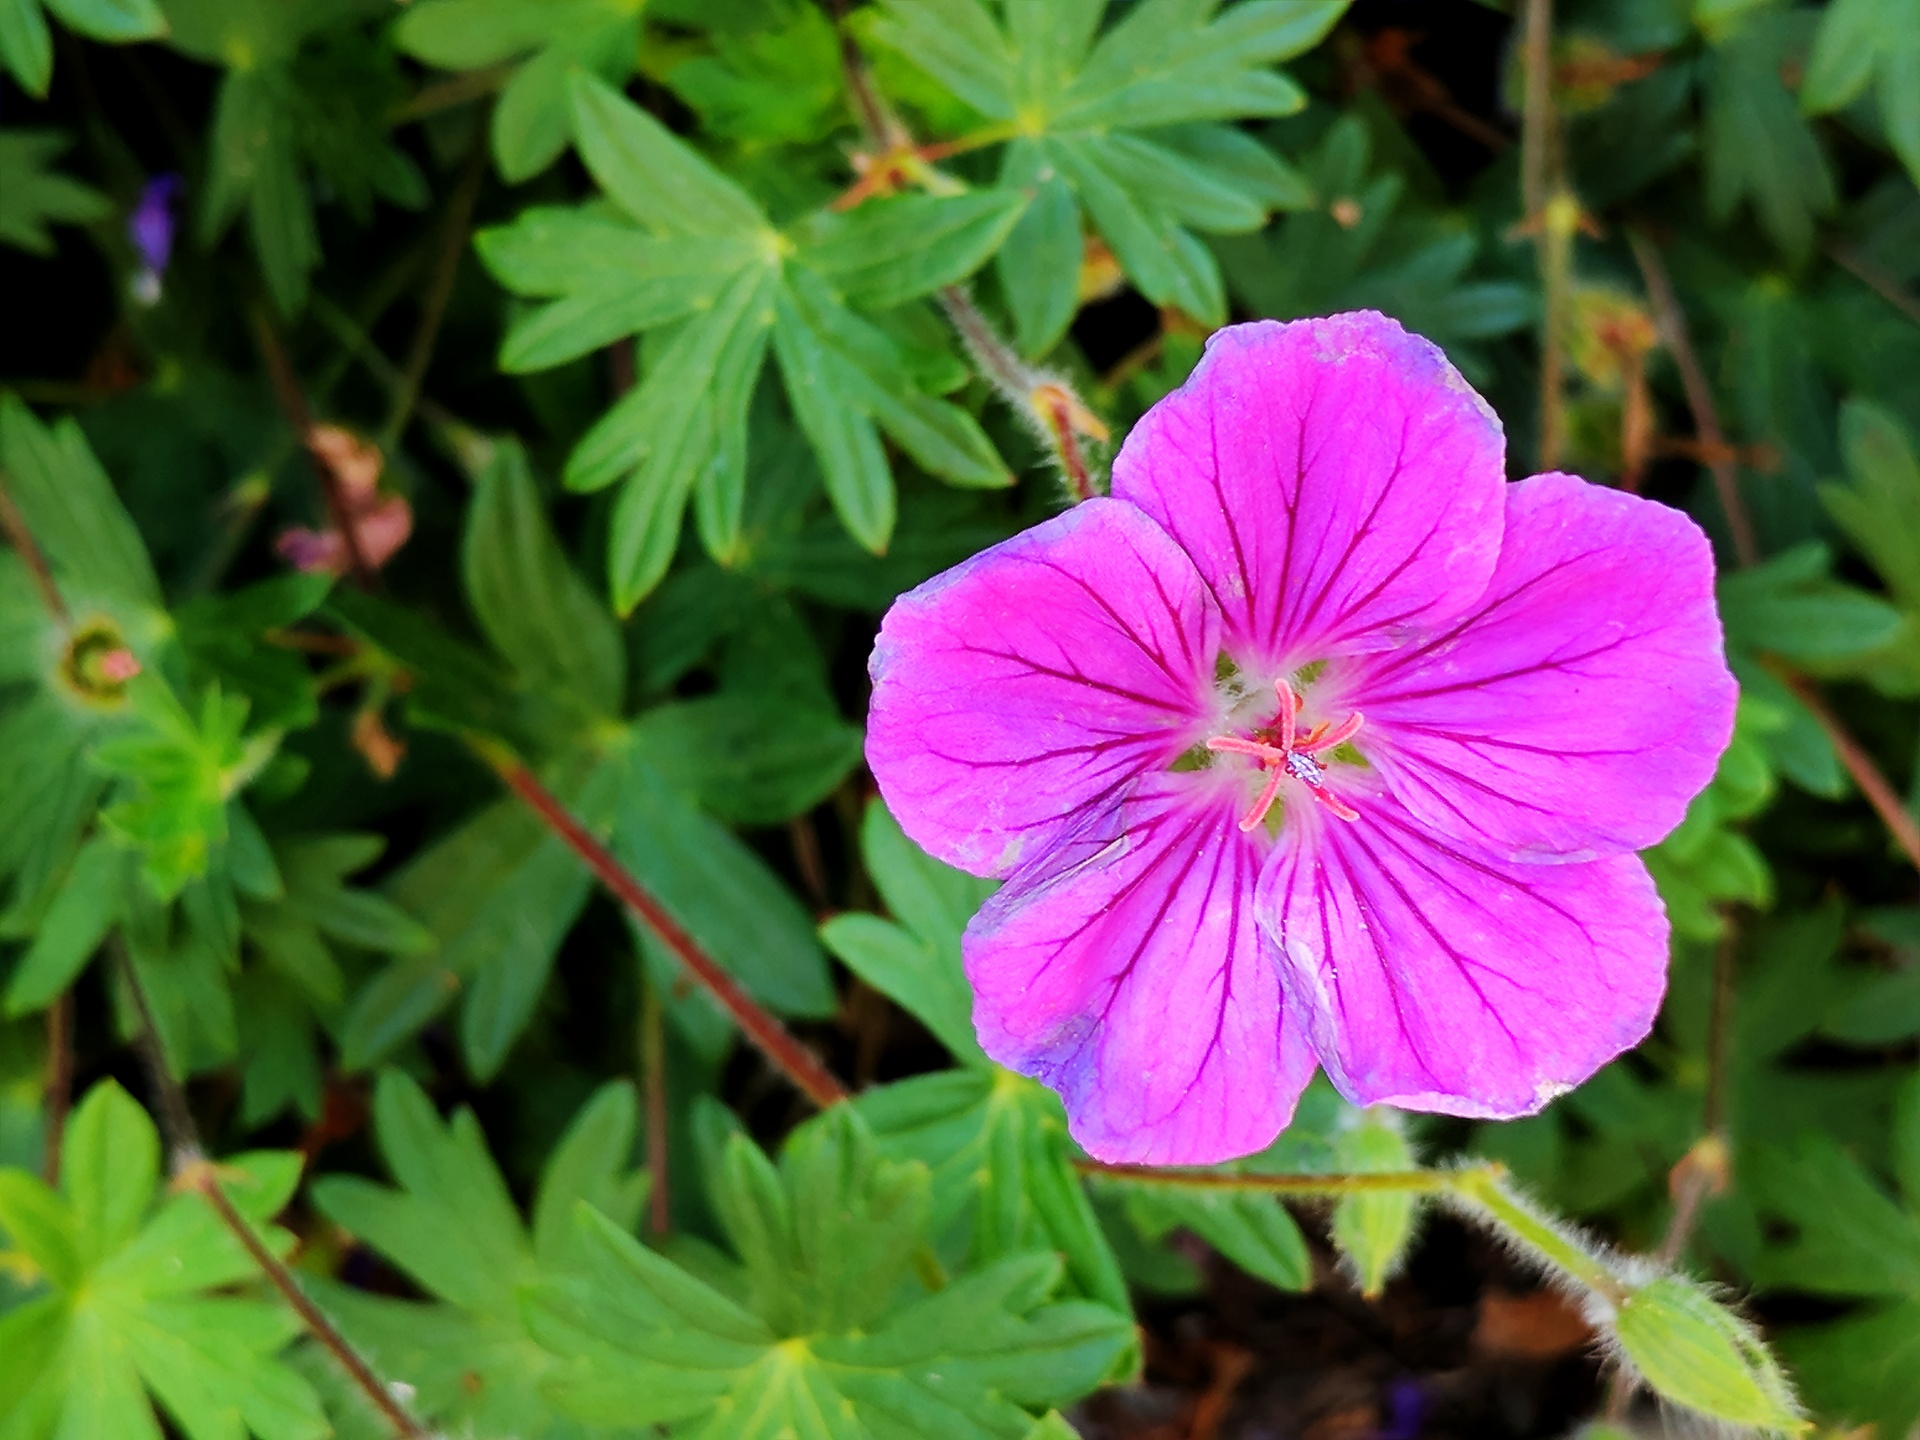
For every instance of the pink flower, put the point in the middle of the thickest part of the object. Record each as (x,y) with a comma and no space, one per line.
(1316,741)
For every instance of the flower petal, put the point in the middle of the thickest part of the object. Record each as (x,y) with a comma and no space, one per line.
(1125,971)
(1582,702)
(1019,689)
(1336,481)
(1433,978)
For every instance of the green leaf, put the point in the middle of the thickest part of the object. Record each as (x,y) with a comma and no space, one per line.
(778,81)
(84,909)
(1094,115)
(112,20)
(497,895)
(70,508)
(1860,40)
(889,251)
(530,601)
(1003,1176)
(453,1227)
(1788,606)
(657,179)
(1038,266)
(549,38)
(32,194)
(1880,508)
(647,1343)
(26,47)
(1373,1231)
(751,757)
(915,963)
(128,1319)
(723,893)
(1758,145)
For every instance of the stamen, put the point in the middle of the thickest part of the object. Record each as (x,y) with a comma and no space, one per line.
(1283,752)
(1324,738)
(1251,820)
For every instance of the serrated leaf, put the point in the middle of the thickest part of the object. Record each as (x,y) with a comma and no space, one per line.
(548,38)
(889,251)
(127,1320)
(915,963)
(453,1226)
(1863,41)
(1758,145)
(751,757)
(646,1342)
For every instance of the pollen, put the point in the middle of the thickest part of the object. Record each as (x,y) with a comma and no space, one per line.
(1283,754)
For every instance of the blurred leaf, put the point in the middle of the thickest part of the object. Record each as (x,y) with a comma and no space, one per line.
(1862,41)
(32,194)
(1758,146)
(1880,508)
(530,601)
(751,757)
(543,40)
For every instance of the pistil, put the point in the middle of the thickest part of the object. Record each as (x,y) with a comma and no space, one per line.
(1282,753)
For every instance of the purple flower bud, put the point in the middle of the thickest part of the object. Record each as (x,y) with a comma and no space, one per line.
(151,225)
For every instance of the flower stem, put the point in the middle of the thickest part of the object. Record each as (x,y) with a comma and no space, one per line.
(1672,322)
(1484,1193)
(762,1028)
(1418,1182)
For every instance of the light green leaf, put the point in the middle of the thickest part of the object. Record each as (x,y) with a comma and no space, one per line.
(1039,264)
(84,909)
(1373,1231)
(888,251)
(655,177)
(112,20)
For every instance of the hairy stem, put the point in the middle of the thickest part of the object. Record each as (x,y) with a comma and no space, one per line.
(1672,323)
(1483,1192)
(763,1029)
(1417,1182)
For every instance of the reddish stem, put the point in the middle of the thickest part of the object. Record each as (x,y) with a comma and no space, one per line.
(768,1035)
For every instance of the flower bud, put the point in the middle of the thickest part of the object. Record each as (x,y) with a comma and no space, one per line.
(1695,1352)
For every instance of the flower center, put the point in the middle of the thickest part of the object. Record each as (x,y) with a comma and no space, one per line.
(1281,752)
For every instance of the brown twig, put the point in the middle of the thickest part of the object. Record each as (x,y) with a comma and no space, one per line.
(21,538)
(433,308)
(293,406)
(1551,217)
(767,1034)
(193,1171)
(1873,784)
(1672,321)
(59,1080)
(1887,287)
(653,1075)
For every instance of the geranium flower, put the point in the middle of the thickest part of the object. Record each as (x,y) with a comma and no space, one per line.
(1316,740)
